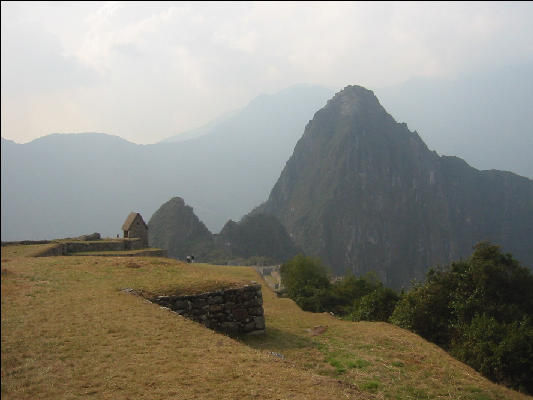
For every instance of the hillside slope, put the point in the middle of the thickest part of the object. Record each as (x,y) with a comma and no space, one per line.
(68,331)
(363,193)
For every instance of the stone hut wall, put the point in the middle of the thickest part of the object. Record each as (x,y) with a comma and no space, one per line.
(231,311)
(139,230)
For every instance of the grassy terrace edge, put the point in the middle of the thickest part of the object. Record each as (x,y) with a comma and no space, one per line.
(69,331)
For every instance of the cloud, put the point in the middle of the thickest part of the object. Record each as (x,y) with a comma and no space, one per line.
(33,61)
(147,71)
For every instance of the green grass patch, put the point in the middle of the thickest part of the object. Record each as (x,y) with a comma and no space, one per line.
(345,361)
(371,386)
(397,364)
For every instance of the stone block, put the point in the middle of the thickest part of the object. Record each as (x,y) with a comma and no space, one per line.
(181,304)
(231,327)
(216,307)
(255,311)
(215,300)
(240,314)
(199,303)
(250,326)
(259,322)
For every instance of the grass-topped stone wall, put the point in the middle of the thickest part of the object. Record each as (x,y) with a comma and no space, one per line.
(234,310)
(64,247)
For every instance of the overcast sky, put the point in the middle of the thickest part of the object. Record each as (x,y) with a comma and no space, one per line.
(147,71)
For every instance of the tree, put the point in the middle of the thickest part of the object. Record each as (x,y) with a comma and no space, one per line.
(378,305)
(425,310)
(351,288)
(307,282)
(479,309)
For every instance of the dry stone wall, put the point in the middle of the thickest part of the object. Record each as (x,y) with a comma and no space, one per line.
(65,248)
(231,311)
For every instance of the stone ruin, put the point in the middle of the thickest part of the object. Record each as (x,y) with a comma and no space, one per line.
(232,311)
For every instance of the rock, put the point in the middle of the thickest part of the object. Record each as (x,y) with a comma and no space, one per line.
(259,322)
(215,300)
(240,314)
(317,330)
(91,237)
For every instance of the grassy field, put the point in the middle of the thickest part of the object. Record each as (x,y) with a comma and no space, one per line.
(70,332)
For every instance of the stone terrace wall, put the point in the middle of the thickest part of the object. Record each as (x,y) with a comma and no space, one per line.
(26,242)
(64,248)
(231,310)
(135,253)
(120,245)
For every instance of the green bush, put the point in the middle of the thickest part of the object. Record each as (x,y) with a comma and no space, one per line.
(350,288)
(307,282)
(479,309)
(425,310)
(502,352)
(378,305)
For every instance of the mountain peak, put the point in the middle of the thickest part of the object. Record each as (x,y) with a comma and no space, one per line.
(364,193)
(354,98)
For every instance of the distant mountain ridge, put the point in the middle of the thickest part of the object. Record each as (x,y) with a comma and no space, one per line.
(364,193)
(69,184)
(483,117)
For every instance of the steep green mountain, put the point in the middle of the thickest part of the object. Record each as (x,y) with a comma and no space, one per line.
(257,238)
(363,193)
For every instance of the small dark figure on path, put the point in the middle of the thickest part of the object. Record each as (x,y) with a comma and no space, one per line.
(192,259)
(188,259)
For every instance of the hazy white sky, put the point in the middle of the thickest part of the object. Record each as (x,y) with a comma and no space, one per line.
(147,71)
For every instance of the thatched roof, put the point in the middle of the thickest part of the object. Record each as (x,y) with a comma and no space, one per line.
(127,224)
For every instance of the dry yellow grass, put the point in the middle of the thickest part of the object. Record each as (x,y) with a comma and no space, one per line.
(68,332)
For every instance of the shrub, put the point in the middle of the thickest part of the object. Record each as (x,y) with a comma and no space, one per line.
(425,310)
(480,309)
(307,282)
(350,288)
(375,306)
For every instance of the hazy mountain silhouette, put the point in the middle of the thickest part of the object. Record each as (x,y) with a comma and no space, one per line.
(484,117)
(70,184)
(176,228)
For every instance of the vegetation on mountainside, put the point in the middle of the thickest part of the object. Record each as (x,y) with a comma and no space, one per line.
(479,309)
(68,331)
(356,298)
